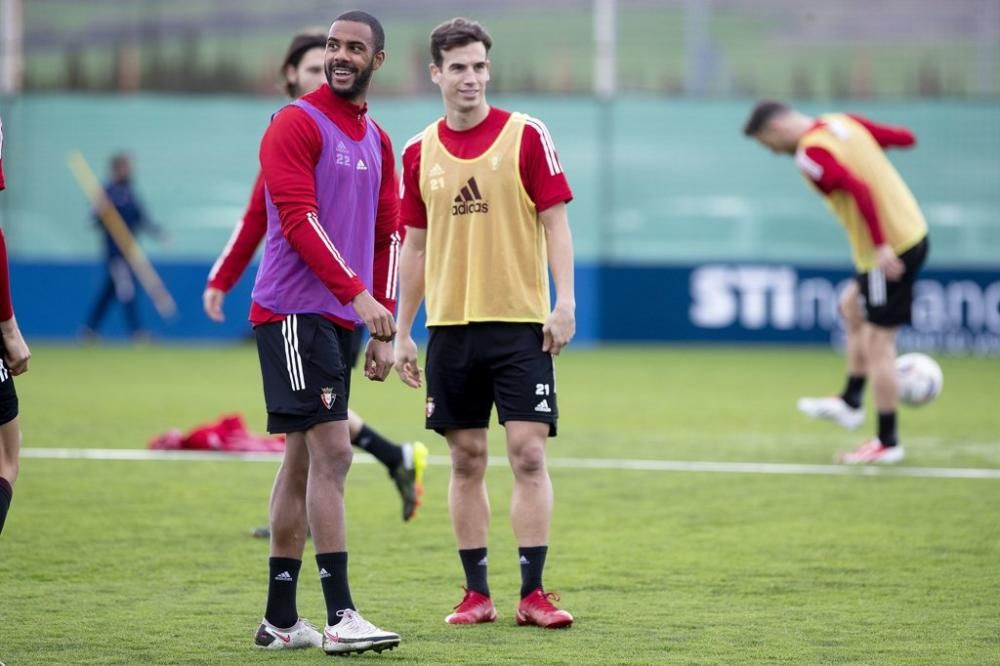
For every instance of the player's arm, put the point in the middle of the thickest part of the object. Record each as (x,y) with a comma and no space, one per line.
(561,324)
(829,175)
(288,155)
(888,136)
(386,263)
(411,294)
(413,214)
(379,357)
(544,180)
(239,251)
(16,354)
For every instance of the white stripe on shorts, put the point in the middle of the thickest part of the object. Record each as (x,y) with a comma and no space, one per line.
(293,360)
(876,288)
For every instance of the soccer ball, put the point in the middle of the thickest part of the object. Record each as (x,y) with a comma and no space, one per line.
(918,378)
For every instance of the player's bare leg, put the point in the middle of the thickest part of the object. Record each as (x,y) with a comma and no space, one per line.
(10,452)
(531,518)
(469,506)
(288,500)
(531,501)
(885,448)
(330,456)
(282,628)
(854,329)
(845,409)
(467,498)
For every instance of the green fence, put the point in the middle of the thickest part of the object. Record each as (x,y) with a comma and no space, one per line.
(655,180)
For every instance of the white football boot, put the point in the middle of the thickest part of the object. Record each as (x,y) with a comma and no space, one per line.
(300,635)
(872,453)
(832,409)
(356,634)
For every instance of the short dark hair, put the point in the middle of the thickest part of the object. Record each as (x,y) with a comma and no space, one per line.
(302,43)
(762,114)
(358,16)
(457,32)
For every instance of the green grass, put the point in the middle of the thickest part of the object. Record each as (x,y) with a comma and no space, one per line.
(149,562)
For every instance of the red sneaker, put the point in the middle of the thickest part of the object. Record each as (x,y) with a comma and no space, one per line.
(475,608)
(872,452)
(538,610)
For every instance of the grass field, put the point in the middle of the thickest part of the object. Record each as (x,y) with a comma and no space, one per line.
(129,562)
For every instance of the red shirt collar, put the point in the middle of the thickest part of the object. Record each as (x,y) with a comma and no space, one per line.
(347,115)
(492,123)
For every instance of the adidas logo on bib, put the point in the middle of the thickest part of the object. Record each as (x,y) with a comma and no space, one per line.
(469,200)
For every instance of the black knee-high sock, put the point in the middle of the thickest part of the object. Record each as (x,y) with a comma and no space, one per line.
(532,564)
(281,610)
(6,495)
(474,563)
(853,390)
(387,453)
(887,428)
(333,578)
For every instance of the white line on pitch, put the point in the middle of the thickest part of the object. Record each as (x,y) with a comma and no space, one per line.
(568,463)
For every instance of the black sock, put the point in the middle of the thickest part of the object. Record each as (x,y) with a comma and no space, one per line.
(887,428)
(532,563)
(387,453)
(333,578)
(284,580)
(474,563)
(853,391)
(6,495)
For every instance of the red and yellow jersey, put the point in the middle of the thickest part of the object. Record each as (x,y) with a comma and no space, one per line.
(486,254)
(853,146)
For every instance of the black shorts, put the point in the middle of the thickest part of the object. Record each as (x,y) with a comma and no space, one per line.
(304,369)
(472,366)
(887,303)
(8,395)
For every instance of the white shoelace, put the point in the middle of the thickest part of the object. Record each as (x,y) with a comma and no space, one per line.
(356,622)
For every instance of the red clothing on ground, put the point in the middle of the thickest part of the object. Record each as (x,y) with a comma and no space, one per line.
(829,175)
(541,172)
(289,152)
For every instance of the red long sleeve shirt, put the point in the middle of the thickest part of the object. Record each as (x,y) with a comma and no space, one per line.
(242,245)
(289,152)
(829,175)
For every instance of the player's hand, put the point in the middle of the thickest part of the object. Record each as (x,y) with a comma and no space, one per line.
(381,325)
(378,360)
(406,362)
(890,264)
(17,352)
(558,330)
(211,300)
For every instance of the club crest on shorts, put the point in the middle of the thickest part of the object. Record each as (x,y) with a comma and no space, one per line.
(328,397)
(429,410)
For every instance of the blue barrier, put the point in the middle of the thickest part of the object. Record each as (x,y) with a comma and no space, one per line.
(954,310)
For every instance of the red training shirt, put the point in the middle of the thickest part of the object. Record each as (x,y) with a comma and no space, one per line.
(243,242)
(829,175)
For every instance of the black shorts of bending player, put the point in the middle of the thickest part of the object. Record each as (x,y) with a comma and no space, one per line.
(471,367)
(8,395)
(888,303)
(303,366)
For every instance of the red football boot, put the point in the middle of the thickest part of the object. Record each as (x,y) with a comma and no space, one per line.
(538,610)
(475,608)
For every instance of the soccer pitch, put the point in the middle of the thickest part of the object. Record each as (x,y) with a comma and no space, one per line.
(150,561)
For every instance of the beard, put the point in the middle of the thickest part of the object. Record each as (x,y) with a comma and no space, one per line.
(362,78)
